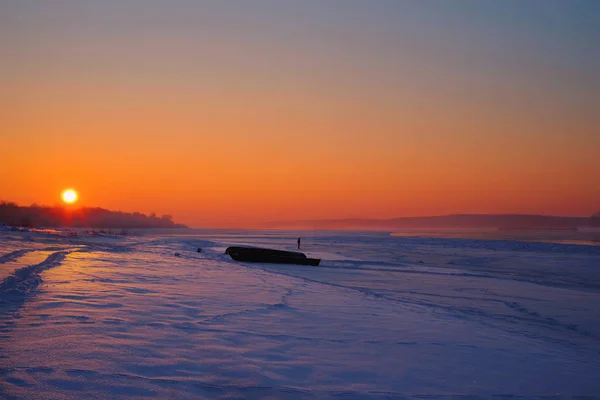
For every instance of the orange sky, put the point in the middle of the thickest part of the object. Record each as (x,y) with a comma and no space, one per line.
(290,114)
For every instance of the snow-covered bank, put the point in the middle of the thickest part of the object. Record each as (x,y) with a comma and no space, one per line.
(383,317)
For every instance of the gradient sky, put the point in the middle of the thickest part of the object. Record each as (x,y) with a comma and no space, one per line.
(229,113)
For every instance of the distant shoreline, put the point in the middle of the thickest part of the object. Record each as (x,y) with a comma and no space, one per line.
(455,221)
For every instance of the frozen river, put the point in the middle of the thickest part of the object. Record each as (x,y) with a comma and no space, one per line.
(381,317)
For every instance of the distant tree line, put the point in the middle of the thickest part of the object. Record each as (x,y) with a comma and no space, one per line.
(36,216)
(596,219)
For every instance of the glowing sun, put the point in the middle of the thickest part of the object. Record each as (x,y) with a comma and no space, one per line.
(69,196)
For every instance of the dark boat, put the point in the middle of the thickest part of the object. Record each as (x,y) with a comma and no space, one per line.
(256,254)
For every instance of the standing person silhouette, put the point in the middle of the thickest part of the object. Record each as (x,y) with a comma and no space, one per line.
(298,243)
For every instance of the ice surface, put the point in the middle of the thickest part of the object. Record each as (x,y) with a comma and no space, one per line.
(382,317)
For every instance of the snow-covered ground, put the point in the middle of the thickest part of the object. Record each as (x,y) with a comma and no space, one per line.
(382,317)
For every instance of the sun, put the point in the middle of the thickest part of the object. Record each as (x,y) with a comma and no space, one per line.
(69,196)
